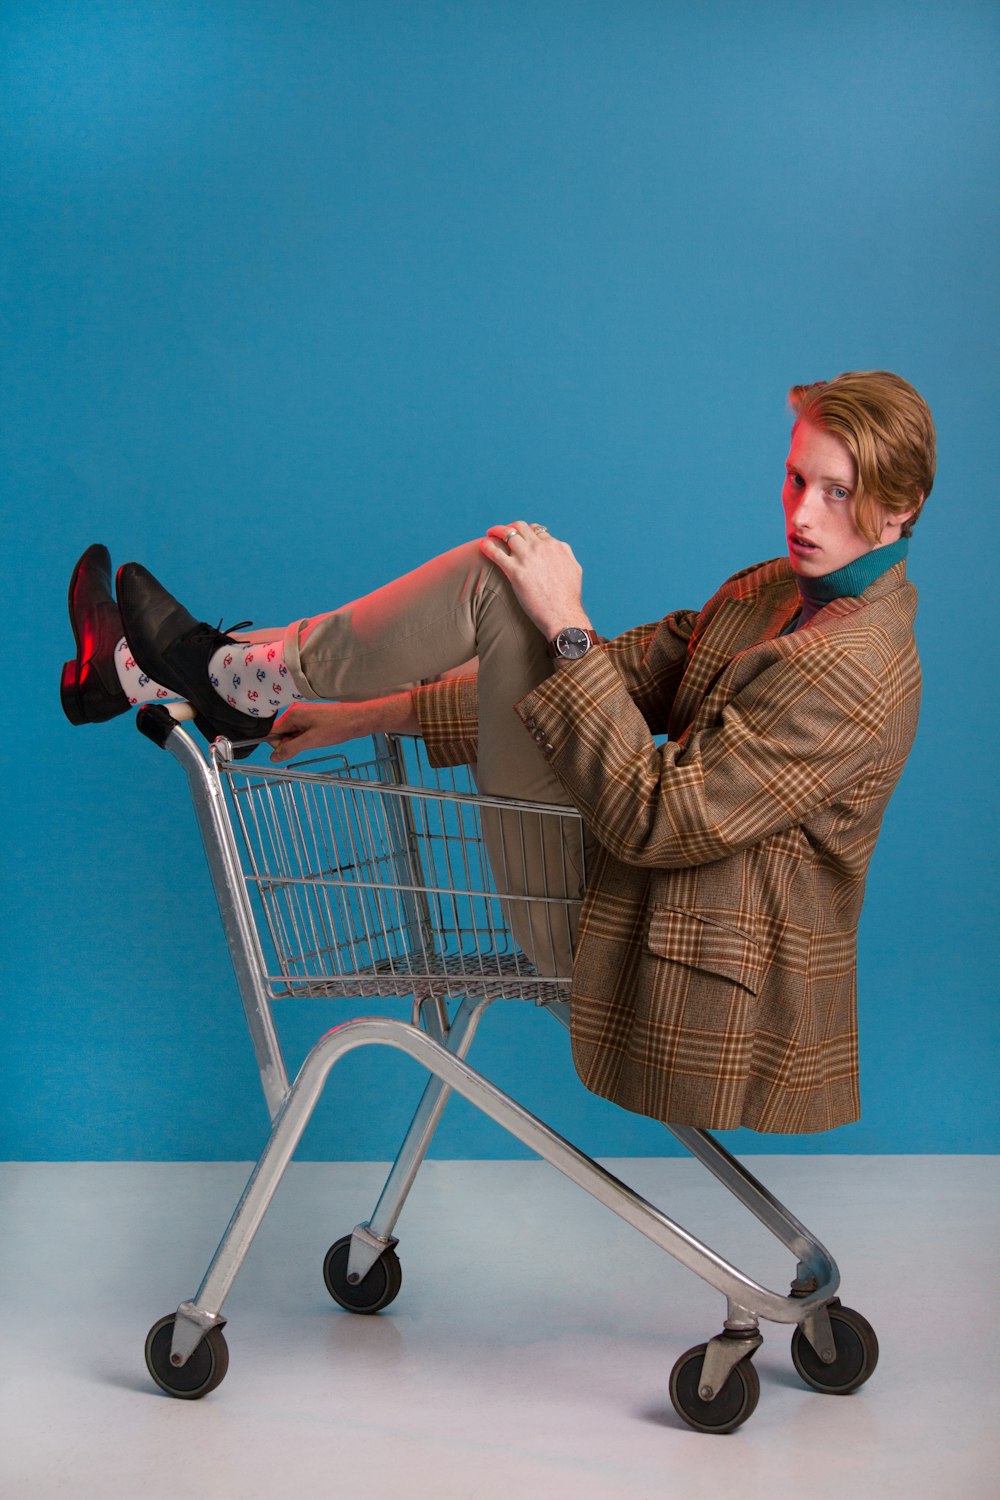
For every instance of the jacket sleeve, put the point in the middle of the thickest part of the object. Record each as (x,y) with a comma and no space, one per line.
(448,713)
(800,730)
(650,661)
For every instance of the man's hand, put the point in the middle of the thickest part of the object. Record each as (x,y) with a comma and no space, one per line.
(312,726)
(542,571)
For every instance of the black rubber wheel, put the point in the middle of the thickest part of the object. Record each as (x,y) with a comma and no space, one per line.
(204,1370)
(732,1406)
(379,1288)
(857,1354)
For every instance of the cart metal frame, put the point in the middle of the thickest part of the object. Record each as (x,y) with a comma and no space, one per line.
(371,879)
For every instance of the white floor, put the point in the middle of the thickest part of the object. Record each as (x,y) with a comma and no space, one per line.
(528,1353)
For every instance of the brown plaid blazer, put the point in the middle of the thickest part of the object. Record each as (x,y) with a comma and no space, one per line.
(715,975)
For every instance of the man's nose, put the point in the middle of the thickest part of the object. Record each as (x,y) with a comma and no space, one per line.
(804,509)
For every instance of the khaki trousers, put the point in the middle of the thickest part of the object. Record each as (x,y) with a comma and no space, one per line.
(457,607)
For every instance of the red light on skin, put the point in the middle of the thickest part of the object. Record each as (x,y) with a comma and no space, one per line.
(819,502)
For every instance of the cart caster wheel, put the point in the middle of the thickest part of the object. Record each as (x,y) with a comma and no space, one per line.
(204,1370)
(735,1402)
(379,1288)
(857,1354)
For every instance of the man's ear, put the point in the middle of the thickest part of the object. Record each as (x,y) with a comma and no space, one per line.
(895,521)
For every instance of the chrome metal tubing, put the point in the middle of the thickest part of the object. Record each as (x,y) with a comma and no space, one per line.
(422,1126)
(237,920)
(431,1012)
(513,1117)
(762,1204)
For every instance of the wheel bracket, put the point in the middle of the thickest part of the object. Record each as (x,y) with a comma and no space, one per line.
(365,1251)
(817,1328)
(722,1355)
(191,1324)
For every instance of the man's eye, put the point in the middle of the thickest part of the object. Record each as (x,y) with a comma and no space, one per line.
(797,481)
(839,493)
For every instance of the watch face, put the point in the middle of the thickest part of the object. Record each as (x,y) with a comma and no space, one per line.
(572,643)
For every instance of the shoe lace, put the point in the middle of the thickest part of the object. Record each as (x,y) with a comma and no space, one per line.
(204,631)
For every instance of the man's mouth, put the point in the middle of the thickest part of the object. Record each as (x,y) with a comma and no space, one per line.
(801,544)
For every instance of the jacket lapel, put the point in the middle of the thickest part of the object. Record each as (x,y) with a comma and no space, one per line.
(739,624)
(735,626)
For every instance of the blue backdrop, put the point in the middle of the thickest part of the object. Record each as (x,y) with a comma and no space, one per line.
(297,293)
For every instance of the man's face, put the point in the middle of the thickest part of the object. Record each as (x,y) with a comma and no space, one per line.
(818,497)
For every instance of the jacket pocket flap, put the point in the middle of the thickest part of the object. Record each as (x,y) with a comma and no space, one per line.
(690,939)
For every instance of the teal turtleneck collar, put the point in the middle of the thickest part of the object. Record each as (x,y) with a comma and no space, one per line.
(847,582)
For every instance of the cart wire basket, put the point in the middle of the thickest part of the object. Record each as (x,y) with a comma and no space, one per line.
(368,887)
(381,877)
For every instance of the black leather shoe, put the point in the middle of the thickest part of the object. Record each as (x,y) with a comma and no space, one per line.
(89,689)
(175,649)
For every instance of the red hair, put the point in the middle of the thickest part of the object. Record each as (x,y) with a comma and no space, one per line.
(888,429)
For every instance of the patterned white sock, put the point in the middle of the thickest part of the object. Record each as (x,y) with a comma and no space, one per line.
(253,678)
(137,687)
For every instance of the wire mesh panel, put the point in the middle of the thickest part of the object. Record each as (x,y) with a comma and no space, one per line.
(375,878)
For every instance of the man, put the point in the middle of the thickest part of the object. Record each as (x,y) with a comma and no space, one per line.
(714,968)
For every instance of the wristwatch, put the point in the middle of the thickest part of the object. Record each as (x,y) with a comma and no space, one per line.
(572,643)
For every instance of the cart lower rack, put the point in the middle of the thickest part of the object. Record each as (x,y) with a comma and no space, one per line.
(383,878)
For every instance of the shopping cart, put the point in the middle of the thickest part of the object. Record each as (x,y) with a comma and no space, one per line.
(371,879)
